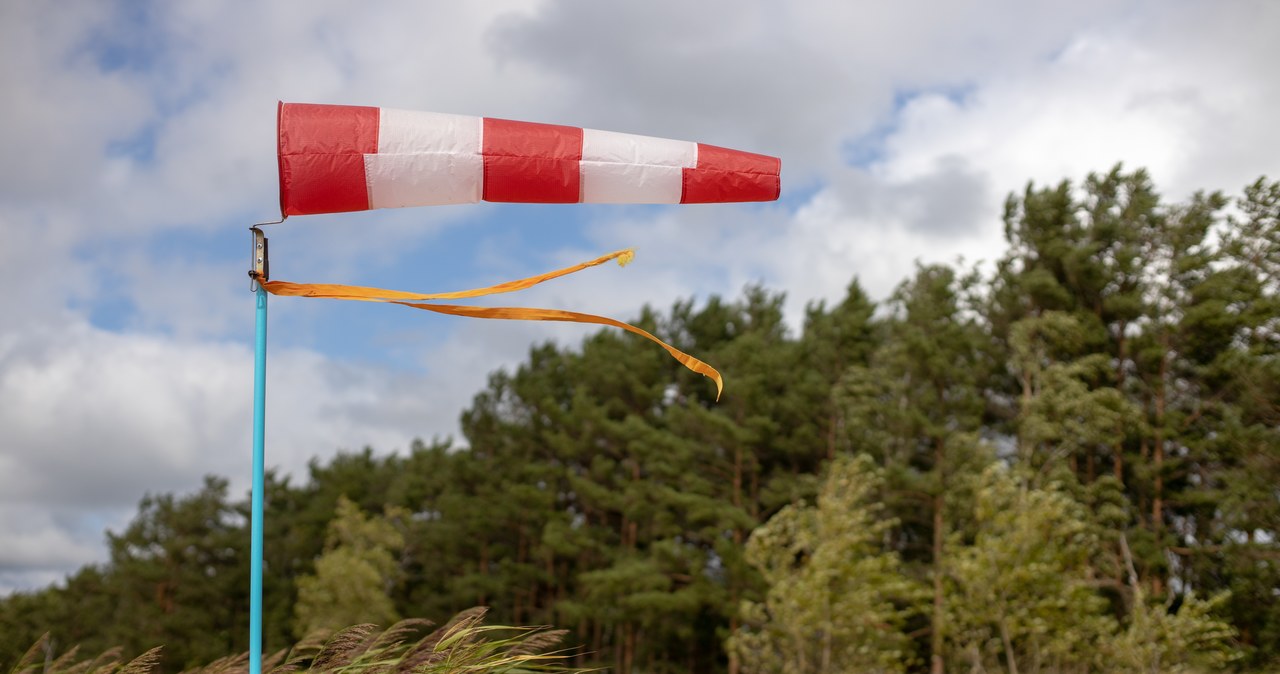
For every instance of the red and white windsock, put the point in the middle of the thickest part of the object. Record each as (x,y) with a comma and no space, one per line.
(337,158)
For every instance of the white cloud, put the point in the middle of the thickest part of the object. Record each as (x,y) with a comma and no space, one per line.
(58,102)
(799,79)
(38,535)
(91,420)
(1178,95)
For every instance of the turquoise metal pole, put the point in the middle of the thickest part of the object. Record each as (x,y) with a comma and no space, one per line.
(259,424)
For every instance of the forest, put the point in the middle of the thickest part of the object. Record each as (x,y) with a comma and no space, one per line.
(1065,461)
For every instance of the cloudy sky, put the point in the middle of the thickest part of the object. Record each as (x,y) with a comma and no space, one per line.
(137,145)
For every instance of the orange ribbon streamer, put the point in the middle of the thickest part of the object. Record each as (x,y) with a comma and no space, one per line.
(408,299)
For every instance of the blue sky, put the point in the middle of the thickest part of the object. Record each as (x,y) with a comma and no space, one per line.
(139,146)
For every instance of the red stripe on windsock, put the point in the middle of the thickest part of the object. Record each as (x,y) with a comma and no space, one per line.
(731,175)
(321,153)
(531,163)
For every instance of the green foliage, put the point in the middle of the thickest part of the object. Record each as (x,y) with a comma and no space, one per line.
(1020,591)
(354,577)
(1156,639)
(837,602)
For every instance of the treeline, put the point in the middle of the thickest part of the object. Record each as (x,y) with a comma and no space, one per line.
(1071,463)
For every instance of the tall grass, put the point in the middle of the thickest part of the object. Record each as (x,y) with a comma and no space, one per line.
(465,644)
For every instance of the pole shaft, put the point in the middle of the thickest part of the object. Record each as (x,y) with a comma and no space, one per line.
(256,519)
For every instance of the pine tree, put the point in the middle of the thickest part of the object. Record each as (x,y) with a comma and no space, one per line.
(1236,338)
(178,574)
(923,386)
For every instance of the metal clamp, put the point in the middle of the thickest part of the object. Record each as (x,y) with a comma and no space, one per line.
(260,262)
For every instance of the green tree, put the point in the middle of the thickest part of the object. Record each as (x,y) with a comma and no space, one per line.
(1157,639)
(1020,590)
(178,574)
(355,576)
(1067,412)
(837,600)
(1081,259)
(833,341)
(911,409)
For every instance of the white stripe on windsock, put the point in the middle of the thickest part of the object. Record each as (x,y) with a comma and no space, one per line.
(425,159)
(623,168)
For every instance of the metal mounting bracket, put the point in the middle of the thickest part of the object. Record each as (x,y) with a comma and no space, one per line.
(260,262)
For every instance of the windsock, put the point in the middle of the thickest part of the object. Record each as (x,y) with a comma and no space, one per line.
(339,158)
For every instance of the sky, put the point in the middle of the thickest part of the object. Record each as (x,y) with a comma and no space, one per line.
(137,146)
